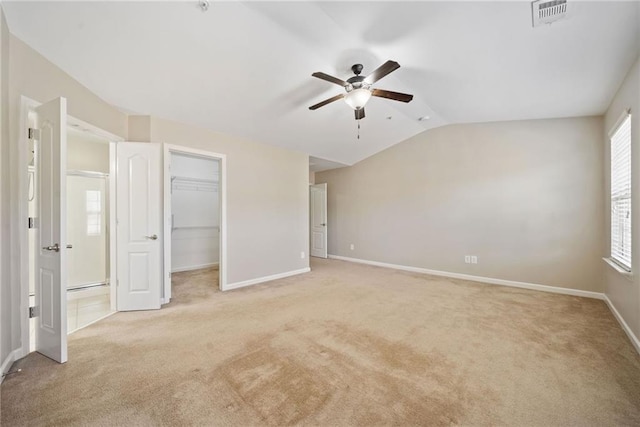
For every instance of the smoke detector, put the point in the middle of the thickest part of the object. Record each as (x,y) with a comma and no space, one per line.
(548,11)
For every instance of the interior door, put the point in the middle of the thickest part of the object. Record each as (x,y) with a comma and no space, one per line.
(318,208)
(138,213)
(51,235)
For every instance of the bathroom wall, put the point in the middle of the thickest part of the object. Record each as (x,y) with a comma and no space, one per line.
(86,152)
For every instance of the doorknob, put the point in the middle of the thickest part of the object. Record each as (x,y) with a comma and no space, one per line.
(323,224)
(154,237)
(55,248)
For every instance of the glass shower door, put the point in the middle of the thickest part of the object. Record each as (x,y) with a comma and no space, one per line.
(86,231)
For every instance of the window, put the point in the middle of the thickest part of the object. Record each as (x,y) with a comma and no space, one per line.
(94,212)
(621,194)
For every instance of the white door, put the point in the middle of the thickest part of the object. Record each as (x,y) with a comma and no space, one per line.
(318,208)
(138,213)
(51,235)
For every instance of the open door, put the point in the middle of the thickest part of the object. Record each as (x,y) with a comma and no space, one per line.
(138,218)
(51,234)
(318,209)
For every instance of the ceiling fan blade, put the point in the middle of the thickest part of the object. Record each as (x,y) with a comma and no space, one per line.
(326,101)
(359,113)
(396,96)
(382,71)
(329,78)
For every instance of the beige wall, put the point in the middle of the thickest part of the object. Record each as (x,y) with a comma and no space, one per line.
(35,77)
(139,128)
(6,319)
(267,200)
(87,153)
(525,197)
(624,292)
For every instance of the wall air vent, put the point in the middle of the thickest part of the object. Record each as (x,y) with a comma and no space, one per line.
(548,11)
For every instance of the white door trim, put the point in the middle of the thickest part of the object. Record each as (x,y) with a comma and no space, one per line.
(222,187)
(26,105)
(113,241)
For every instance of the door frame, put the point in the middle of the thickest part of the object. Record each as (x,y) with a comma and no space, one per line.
(222,189)
(27,105)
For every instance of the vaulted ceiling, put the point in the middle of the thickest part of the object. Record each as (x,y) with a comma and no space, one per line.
(244,68)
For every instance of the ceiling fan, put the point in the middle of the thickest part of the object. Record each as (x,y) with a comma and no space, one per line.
(359,90)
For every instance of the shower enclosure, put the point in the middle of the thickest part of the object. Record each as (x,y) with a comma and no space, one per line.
(87,229)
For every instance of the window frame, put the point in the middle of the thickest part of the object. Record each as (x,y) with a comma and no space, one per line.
(614,261)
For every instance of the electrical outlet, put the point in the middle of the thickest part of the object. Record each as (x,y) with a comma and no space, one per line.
(467,259)
(302,254)
(474,259)
(352,247)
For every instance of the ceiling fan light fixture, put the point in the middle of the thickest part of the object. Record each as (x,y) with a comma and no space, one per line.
(357,98)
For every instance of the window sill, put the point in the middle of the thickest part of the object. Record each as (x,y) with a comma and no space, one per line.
(627,274)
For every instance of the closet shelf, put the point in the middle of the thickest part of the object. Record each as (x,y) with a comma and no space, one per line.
(181,183)
(186,227)
(186,179)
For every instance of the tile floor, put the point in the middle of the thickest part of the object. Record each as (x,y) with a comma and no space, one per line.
(83,307)
(87,306)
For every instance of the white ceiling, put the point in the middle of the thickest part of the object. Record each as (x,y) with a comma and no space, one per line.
(245,68)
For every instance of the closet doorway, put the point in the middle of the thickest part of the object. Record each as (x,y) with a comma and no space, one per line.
(194,216)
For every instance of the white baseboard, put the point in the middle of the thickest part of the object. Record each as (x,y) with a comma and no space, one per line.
(8,361)
(194,267)
(625,327)
(490,280)
(265,279)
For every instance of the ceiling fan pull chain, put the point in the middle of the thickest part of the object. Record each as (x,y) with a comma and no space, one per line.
(358,130)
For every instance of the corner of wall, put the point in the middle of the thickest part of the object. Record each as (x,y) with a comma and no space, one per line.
(139,128)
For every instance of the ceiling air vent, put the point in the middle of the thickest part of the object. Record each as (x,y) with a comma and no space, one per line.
(546,12)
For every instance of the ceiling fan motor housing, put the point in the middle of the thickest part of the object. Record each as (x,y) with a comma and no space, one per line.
(357,81)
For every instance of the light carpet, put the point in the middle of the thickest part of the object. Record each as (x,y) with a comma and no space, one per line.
(346,344)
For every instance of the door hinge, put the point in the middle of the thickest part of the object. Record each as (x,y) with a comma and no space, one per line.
(34,133)
(31,222)
(33,312)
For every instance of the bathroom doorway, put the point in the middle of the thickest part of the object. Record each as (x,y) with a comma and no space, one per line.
(88,232)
